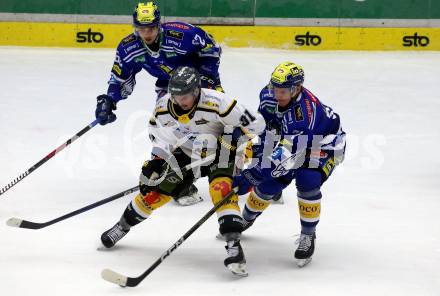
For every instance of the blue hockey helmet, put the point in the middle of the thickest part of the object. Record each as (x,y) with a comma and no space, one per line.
(146,15)
(287,75)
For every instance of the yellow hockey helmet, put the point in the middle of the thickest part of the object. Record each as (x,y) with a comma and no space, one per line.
(287,75)
(146,14)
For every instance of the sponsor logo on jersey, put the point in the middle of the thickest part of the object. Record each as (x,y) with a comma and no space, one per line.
(180,26)
(89,37)
(415,40)
(169,41)
(288,116)
(174,34)
(210,104)
(166,69)
(270,110)
(201,121)
(308,39)
(140,59)
(299,116)
(170,54)
(128,39)
(207,48)
(309,110)
(131,47)
(116,69)
(169,123)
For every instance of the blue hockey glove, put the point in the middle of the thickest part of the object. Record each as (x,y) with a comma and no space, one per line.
(104,109)
(245,181)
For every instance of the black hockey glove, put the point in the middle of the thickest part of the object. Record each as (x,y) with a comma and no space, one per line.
(151,170)
(207,82)
(104,109)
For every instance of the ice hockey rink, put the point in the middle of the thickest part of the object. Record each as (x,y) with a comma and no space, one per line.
(380,222)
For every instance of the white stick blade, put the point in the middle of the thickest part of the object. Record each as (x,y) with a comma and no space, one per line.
(14,222)
(114,277)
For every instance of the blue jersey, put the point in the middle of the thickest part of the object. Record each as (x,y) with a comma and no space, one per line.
(304,126)
(180,44)
(305,115)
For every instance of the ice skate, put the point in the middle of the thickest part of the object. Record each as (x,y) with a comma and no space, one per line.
(110,237)
(235,260)
(305,249)
(189,196)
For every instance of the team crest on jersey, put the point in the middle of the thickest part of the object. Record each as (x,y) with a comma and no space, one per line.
(299,116)
(175,34)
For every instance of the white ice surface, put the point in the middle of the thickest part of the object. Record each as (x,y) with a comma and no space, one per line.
(380,224)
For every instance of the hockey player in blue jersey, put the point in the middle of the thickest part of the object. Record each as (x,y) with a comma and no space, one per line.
(159,48)
(304,142)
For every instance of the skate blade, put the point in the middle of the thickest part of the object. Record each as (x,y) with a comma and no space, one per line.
(303,262)
(189,201)
(238,269)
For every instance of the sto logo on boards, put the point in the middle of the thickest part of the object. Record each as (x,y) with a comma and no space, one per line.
(89,37)
(415,40)
(308,40)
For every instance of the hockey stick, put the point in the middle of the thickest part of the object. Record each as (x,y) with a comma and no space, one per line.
(47,157)
(124,281)
(20,223)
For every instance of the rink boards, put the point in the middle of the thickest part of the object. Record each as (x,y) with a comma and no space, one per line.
(300,38)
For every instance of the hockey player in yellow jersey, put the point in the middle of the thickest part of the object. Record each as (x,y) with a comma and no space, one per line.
(190,124)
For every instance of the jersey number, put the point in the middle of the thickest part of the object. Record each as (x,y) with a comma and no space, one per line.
(199,39)
(329,112)
(246,118)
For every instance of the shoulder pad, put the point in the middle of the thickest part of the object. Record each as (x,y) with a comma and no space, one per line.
(210,99)
(162,105)
(129,39)
(266,93)
(179,36)
(221,102)
(308,94)
(129,44)
(267,98)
